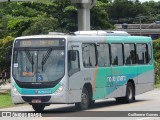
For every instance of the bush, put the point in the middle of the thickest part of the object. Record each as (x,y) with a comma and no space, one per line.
(156,51)
(5,53)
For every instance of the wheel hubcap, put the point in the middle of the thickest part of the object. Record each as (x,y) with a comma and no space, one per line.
(130,95)
(84,99)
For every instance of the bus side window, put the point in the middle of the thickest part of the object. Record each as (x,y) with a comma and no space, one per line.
(149,54)
(103,54)
(89,54)
(73,62)
(142,53)
(130,54)
(117,54)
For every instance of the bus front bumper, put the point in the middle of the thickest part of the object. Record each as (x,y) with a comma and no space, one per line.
(45,98)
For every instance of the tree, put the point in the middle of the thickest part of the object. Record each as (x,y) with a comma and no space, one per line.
(41,25)
(99,17)
(5,52)
(120,9)
(28,18)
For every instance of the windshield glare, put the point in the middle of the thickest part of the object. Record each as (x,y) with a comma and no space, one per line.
(43,65)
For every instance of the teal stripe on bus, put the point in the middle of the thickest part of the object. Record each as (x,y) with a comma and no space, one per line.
(103,87)
(25,91)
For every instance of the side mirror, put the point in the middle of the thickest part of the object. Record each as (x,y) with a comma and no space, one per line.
(72,55)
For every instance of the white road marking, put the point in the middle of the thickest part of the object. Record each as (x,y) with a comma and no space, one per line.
(150,118)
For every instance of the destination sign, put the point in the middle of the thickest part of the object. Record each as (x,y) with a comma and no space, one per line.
(39,43)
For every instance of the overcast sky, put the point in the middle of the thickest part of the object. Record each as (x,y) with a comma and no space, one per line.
(149,0)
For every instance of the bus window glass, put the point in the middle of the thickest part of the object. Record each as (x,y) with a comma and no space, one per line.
(89,55)
(130,54)
(117,55)
(92,57)
(142,53)
(85,48)
(103,55)
(73,64)
(149,54)
(41,65)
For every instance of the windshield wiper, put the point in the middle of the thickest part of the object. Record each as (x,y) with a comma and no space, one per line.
(30,58)
(45,58)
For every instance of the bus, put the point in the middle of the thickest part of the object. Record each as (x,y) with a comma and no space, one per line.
(80,69)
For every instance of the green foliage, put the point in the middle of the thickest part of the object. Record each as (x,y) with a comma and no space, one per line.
(156,49)
(126,11)
(17,25)
(30,18)
(100,20)
(5,52)
(120,9)
(40,25)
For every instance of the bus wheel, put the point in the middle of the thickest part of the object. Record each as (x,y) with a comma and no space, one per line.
(91,103)
(130,93)
(84,100)
(38,107)
(120,100)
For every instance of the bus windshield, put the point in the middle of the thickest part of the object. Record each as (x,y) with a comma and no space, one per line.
(38,65)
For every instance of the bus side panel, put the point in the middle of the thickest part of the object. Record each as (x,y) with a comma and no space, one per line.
(105,82)
(111,81)
(145,80)
(97,78)
(77,82)
(145,77)
(75,87)
(102,82)
(120,76)
(142,88)
(117,92)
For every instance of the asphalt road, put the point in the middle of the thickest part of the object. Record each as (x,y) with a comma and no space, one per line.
(148,102)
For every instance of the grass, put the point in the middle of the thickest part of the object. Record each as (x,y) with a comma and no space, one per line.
(5,100)
(157,85)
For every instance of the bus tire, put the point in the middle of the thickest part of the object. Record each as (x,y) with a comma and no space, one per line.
(84,100)
(120,100)
(91,103)
(38,107)
(130,94)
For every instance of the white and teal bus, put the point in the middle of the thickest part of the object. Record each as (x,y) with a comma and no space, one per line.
(80,69)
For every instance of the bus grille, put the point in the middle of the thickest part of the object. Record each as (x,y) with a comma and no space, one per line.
(30,98)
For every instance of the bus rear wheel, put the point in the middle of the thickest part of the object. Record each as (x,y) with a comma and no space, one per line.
(84,100)
(38,107)
(91,103)
(130,94)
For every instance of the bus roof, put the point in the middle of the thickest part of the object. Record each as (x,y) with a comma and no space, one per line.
(108,39)
(102,33)
(88,38)
(42,36)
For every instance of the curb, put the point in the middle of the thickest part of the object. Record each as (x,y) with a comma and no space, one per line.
(4,91)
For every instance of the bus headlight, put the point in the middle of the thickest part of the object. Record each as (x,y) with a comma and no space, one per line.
(59,90)
(15,91)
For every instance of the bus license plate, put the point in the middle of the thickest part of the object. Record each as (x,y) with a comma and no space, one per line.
(36,101)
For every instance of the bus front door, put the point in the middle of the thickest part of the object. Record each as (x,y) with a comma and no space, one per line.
(74,74)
